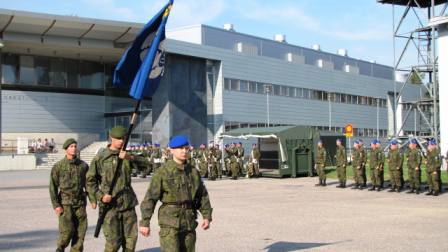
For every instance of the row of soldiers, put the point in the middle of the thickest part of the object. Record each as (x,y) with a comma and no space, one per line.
(208,161)
(376,160)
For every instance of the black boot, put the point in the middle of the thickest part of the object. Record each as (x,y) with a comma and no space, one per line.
(324,182)
(343,185)
(355,186)
(411,191)
(429,193)
(392,189)
(320,183)
(379,189)
(372,189)
(340,185)
(436,193)
(417,191)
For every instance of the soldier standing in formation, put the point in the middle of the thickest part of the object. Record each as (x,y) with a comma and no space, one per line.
(120,222)
(433,163)
(356,164)
(233,161)
(414,160)
(321,157)
(376,165)
(68,198)
(156,157)
(213,162)
(395,166)
(363,163)
(202,159)
(179,187)
(254,162)
(240,158)
(341,164)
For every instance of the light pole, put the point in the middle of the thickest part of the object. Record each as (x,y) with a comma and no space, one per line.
(329,111)
(1,82)
(267,89)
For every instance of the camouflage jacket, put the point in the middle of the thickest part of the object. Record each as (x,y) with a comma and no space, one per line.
(99,179)
(414,159)
(175,184)
(376,159)
(68,182)
(239,152)
(231,154)
(202,155)
(321,156)
(255,155)
(433,161)
(395,160)
(356,157)
(341,158)
(363,155)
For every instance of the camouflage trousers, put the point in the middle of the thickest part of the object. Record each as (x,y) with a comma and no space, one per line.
(120,230)
(203,169)
(433,181)
(240,167)
(213,171)
(175,240)
(376,176)
(253,169)
(72,228)
(414,177)
(320,169)
(355,173)
(342,173)
(395,178)
(219,167)
(234,169)
(360,175)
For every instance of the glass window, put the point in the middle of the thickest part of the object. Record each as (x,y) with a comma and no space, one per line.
(285,90)
(91,75)
(307,93)
(317,95)
(363,100)
(276,89)
(299,92)
(72,73)
(58,75)
(252,87)
(226,84)
(292,92)
(42,69)
(244,86)
(10,69)
(324,96)
(260,88)
(343,98)
(234,85)
(27,75)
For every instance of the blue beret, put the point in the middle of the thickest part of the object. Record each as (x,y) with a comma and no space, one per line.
(157,145)
(339,140)
(360,141)
(432,142)
(240,143)
(319,141)
(356,142)
(226,145)
(394,142)
(414,141)
(178,141)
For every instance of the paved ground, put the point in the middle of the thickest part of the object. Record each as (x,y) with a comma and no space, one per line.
(252,215)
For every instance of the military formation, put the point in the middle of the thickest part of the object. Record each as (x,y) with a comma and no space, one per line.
(375,161)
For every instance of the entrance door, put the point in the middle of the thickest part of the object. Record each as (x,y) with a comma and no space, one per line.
(303,160)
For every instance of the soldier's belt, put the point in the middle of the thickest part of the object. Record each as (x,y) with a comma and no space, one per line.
(184,204)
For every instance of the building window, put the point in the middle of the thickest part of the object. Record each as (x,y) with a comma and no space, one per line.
(244,86)
(276,89)
(252,87)
(27,75)
(226,84)
(42,68)
(91,75)
(10,69)
(234,85)
(260,88)
(58,74)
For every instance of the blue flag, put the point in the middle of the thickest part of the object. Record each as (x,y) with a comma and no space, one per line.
(142,65)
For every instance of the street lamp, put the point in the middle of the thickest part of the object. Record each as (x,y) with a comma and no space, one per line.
(329,111)
(267,89)
(377,117)
(2,44)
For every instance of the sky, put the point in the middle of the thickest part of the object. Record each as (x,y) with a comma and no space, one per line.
(363,27)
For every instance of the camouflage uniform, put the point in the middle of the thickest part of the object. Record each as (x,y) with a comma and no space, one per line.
(433,163)
(67,190)
(341,163)
(362,172)
(414,160)
(213,163)
(321,157)
(376,165)
(356,161)
(240,159)
(254,163)
(395,168)
(156,157)
(203,162)
(233,163)
(182,193)
(120,223)
(218,156)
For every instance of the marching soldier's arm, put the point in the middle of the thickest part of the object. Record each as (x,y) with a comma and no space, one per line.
(92,182)
(153,194)
(54,187)
(204,202)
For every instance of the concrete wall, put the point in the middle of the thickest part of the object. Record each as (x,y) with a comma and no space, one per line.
(179,104)
(17,162)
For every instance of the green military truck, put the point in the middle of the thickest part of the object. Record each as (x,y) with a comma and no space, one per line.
(288,151)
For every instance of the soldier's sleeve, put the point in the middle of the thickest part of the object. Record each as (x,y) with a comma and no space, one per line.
(54,187)
(153,194)
(419,159)
(203,202)
(92,182)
